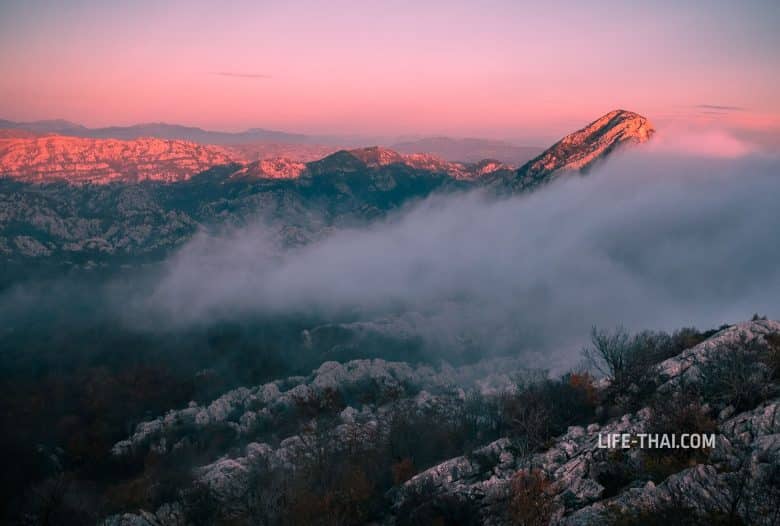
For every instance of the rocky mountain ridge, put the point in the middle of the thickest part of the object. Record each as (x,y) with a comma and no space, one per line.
(137,200)
(467,150)
(52,158)
(33,158)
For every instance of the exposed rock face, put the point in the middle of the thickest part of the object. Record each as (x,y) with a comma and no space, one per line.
(272,168)
(102,161)
(580,150)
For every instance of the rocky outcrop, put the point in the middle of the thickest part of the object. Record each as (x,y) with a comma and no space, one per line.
(271,168)
(740,470)
(373,382)
(368,392)
(101,161)
(738,476)
(686,366)
(588,483)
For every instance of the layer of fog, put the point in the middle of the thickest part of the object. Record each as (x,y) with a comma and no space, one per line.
(649,240)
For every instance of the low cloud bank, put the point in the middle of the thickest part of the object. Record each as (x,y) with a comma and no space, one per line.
(649,240)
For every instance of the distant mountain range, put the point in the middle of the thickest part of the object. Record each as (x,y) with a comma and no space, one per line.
(161,130)
(257,143)
(137,199)
(32,157)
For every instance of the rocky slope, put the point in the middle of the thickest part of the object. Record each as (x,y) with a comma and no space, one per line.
(744,458)
(583,483)
(102,161)
(581,150)
(376,156)
(85,226)
(271,168)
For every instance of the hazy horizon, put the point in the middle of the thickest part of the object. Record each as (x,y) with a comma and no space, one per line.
(500,70)
(331,136)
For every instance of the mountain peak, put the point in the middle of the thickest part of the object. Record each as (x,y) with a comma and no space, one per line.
(377,156)
(580,150)
(627,124)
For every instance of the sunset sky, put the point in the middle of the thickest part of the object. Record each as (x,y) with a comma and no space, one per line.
(524,71)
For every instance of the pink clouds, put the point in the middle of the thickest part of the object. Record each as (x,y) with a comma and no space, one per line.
(527,72)
(704,142)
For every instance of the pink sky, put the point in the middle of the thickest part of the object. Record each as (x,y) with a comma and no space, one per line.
(505,69)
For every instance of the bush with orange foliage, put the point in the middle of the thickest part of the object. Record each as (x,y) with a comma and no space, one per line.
(583,382)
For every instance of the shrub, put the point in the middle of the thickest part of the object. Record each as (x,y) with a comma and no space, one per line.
(686,338)
(627,361)
(531,501)
(672,514)
(528,419)
(583,382)
(772,356)
(403,470)
(542,410)
(427,508)
(735,377)
(421,437)
(615,473)
(611,354)
(674,415)
(59,500)
(201,506)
